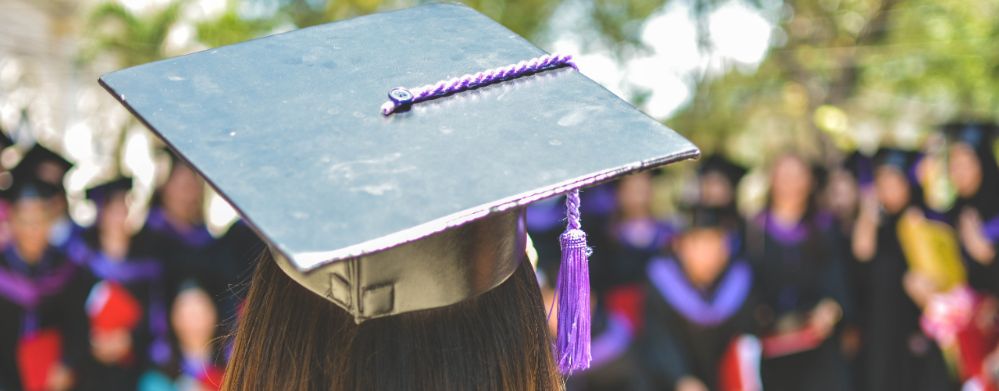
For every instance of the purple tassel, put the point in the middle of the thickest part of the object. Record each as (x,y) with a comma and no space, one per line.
(572,344)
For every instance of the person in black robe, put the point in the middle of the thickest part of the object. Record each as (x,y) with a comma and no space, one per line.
(975,214)
(700,302)
(800,276)
(177,233)
(114,256)
(48,166)
(896,354)
(841,198)
(42,320)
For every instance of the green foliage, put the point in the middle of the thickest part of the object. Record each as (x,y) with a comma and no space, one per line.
(847,68)
(132,39)
(230,28)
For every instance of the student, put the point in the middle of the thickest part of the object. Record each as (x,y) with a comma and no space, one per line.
(396,244)
(700,304)
(896,355)
(974,172)
(42,322)
(127,303)
(801,281)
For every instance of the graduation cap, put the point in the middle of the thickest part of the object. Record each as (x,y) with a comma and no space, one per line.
(720,164)
(902,160)
(978,135)
(44,164)
(29,187)
(101,193)
(391,205)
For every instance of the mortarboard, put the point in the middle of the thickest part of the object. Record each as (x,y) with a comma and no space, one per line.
(102,192)
(32,164)
(899,159)
(979,135)
(720,164)
(403,206)
(28,187)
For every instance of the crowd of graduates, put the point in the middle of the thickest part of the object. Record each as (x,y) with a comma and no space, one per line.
(846,279)
(107,307)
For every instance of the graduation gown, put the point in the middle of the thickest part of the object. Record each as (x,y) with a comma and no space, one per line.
(141,274)
(46,298)
(615,359)
(797,267)
(896,354)
(192,254)
(688,330)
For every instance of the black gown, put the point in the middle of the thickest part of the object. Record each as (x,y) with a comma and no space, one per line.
(187,256)
(688,331)
(896,354)
(46,296)
(141,274)
(797,267)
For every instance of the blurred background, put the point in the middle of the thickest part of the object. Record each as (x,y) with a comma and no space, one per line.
(821,92)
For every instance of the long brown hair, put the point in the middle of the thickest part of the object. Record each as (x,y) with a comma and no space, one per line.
(292,339)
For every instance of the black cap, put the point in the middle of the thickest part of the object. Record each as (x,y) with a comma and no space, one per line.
(902,160)
(27,188)
(718,163)
(102,192)
(383,214)
(34,161)
(976,134)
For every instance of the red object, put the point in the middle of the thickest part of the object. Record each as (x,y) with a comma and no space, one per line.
(112,307)
(740,366)
(211,378)
(977,339)
(629,301)
(37,355)
(791,342)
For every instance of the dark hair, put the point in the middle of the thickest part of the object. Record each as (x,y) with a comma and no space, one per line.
(292,339)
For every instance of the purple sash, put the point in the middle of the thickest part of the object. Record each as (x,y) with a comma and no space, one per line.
(668,278)
(28,292)
(124,271)
(991,229)
(197,236)
(613,342)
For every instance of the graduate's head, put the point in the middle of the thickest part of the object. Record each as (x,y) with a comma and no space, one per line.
(193,317)
(48,167)
(841,194)
(971,158)
(111,199)
(31,216)
(634,195)
(792,180)
(894,181)
(703,248)
(718,179)
(182,194)
(396,238)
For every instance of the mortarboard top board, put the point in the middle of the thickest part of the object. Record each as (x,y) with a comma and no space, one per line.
(31,164)
(900,159)
(720,164)
(103,191)
(29,187)
(976,134)
(288,129)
